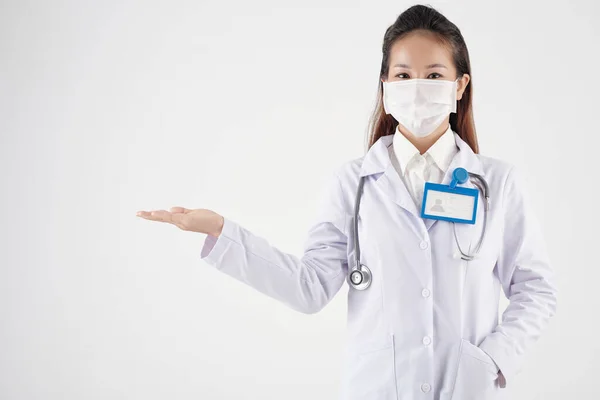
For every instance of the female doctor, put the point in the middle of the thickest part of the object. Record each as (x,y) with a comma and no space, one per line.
(423,319)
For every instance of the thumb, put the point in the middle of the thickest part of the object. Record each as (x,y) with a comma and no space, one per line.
(180,210)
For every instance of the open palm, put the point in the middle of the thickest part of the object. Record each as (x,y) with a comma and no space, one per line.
(195,220)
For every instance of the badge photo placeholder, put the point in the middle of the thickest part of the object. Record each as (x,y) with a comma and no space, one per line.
(448,204)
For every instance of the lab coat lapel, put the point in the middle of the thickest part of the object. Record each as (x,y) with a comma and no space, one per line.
(466,158)
(377,161)
(391,183)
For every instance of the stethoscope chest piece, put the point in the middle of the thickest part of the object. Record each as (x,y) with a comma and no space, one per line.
(360,279)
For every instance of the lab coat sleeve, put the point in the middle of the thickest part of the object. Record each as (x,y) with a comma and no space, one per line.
(306,283)
(527,281)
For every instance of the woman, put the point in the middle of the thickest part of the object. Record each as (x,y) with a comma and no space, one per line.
(426,327)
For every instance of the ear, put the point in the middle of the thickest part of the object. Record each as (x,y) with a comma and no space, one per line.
(462,85)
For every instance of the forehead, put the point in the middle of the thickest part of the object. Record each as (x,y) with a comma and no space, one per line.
(418,49)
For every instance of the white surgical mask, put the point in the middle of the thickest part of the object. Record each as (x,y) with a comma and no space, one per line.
(420,104)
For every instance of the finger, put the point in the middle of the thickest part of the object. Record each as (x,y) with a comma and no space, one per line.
(173,210)
(158,215)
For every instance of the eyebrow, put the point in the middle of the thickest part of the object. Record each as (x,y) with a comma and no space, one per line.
(428,66)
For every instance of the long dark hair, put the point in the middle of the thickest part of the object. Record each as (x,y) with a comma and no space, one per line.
(425,17)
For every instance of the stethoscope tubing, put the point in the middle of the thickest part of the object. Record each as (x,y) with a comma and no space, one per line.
(359,276)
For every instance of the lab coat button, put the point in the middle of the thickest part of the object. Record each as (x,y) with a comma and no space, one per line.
(423,245)
(426,387)
(425,293)
(426,340)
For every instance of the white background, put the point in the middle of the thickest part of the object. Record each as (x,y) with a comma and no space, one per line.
(110,107)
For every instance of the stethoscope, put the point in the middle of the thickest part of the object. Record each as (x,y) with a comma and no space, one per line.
(360,277)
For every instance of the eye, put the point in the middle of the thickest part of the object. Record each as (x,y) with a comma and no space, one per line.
(433,75)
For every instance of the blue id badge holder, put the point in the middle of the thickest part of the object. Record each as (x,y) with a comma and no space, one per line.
(450,202)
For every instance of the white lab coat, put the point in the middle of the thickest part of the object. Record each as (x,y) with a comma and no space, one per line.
(428,326)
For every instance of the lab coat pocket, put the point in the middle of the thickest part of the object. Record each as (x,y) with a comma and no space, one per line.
(371,371)
(476,375)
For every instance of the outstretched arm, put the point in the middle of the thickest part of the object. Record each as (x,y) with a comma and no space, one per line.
(306,283)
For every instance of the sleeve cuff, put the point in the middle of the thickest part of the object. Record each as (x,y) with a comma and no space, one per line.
(214,247)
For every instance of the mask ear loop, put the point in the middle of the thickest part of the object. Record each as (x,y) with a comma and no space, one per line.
(456,81)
